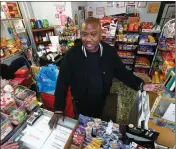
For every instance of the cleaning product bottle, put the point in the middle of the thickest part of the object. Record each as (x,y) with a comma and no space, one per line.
(45,23)
(39,23)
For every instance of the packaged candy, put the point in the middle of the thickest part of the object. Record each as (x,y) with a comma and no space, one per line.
(151,38)
(143,38)
(140,60)
(17,116)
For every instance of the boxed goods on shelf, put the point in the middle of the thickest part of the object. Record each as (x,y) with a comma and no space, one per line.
(143,61)
(6,126)
(125,54)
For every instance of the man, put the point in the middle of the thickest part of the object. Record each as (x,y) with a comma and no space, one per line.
(89,69)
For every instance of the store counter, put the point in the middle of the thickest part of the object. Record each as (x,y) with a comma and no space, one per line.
(166,137)
(39,135)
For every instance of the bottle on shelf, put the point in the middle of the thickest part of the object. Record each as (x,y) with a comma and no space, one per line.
(45,23)
(76,18)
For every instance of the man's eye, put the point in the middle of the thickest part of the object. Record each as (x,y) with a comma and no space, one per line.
(84,35)
(93,34)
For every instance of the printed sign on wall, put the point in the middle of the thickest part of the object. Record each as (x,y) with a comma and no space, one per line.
(63,19)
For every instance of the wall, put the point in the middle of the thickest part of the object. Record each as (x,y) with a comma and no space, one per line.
(48,10)
(113,10)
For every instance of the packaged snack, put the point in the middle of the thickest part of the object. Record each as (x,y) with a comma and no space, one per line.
(151,38)
(140,60)
(5,125)
(17,116)
(22,72)
(143,38)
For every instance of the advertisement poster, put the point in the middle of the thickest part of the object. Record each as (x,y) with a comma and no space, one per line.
(153,7)
(60,8)
(63,20)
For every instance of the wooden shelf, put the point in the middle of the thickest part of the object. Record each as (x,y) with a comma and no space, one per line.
(43,29)
(40,42)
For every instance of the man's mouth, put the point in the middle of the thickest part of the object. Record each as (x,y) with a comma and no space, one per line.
(89,45)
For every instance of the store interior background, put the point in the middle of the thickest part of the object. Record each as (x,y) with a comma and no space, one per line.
(48,10)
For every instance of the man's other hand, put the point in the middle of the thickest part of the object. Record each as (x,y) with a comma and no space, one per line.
(54,120)
(157,88)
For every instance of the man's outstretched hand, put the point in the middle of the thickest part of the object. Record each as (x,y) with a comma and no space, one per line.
(157,88)
(10,146)
(54,120)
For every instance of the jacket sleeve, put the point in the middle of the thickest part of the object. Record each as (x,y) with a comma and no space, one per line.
(62,84)
(122,74)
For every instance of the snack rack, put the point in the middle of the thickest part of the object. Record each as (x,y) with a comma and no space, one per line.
(158,60)
(149,55)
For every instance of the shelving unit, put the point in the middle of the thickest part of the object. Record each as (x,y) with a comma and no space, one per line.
(42,32)
(43,29)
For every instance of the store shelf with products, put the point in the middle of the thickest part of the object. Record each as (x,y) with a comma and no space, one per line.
(43,29)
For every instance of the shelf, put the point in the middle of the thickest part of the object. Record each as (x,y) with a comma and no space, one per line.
(42,29)
(40,42)
(145,53)
(141,66)
(148,44)
(11,55)
(150,31)
(127,56)
(137,32)
(128,63)
(127,50)
(11,19)
(127,42)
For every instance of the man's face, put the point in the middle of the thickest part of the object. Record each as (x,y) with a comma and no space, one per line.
(91,36)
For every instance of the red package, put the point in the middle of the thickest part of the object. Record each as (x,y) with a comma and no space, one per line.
(22,72)
(23,81)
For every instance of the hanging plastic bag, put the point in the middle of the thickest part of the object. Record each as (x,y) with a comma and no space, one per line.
(47,79)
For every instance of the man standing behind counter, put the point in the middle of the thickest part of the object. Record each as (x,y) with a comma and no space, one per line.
(89,69)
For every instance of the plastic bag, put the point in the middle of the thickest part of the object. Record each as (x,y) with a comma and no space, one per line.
(47,78)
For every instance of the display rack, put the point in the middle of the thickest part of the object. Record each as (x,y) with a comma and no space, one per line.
(148,55)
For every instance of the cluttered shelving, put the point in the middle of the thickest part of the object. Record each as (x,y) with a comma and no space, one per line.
(135,42)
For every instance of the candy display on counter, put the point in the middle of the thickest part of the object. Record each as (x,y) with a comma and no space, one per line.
(147,39)
(5,125)
(143,61)
(95,133)
(128,38)
(125,54)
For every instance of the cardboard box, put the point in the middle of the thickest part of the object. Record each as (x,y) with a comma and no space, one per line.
(69,144)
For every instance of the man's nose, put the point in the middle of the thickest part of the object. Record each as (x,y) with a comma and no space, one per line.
(88,38)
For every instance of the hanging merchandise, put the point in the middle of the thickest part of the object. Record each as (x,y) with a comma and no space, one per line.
(90,12)
(47,78)
(76,18)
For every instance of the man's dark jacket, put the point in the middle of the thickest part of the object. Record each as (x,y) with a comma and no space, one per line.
(73,73)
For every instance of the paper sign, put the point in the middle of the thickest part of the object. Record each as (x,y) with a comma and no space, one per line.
(58,138)
(19,27)
(63,20)
(170,113)
(60,8)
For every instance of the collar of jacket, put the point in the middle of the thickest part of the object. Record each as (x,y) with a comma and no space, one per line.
(101,50)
